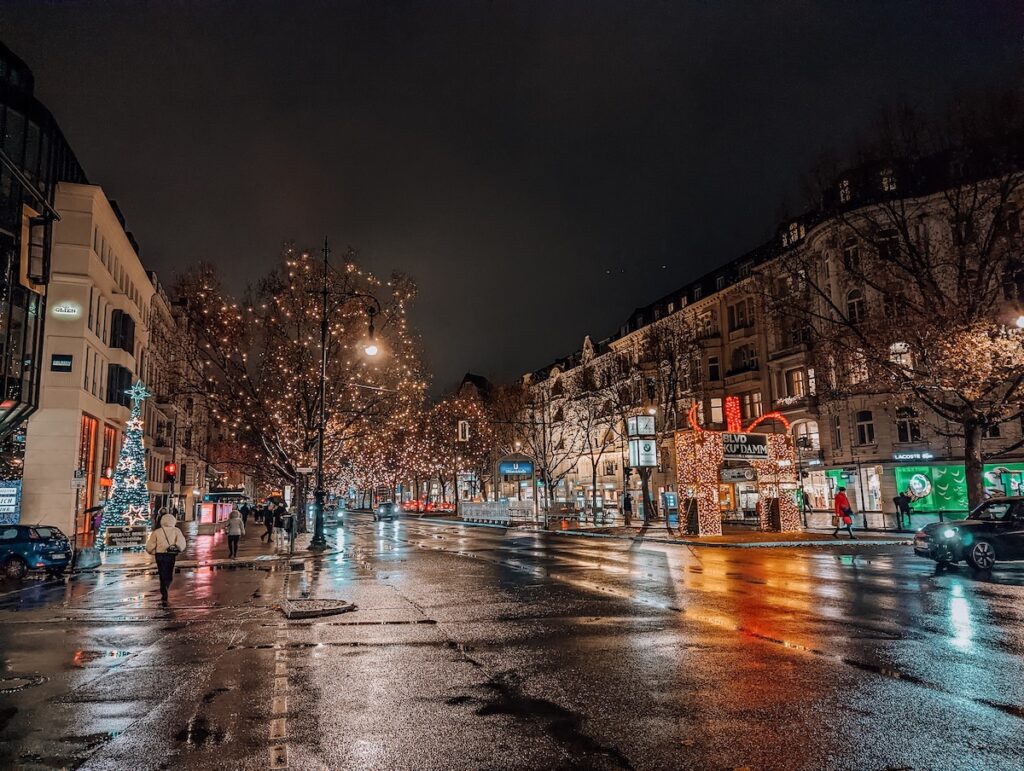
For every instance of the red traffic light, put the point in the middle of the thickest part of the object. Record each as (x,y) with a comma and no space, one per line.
(170,469)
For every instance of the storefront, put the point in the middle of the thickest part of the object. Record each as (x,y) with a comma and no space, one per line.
(942,487)
(737,493)
(863,486)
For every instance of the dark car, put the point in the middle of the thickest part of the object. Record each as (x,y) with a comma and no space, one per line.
(993,531)
(389,510)
(33,547)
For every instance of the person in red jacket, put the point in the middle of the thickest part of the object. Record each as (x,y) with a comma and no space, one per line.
(844,514)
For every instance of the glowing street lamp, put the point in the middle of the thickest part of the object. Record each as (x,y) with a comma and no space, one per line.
(1020,322)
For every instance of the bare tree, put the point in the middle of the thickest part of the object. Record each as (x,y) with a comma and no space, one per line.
(912,285)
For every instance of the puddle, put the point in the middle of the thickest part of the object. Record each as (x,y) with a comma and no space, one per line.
(16,683)
(84,658)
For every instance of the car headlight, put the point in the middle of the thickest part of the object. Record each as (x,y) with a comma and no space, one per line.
(949,532)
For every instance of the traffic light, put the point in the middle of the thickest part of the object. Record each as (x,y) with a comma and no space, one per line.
(170,471)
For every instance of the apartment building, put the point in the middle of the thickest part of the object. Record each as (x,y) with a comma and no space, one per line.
(730,341)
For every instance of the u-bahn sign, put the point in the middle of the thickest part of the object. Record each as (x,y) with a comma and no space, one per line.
(745,446)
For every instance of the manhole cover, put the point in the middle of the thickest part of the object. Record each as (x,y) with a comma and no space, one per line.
(314,608)
(15,683)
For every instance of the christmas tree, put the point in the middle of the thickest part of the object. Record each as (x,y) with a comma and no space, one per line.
(128,505)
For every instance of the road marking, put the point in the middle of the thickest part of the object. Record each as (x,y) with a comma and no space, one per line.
(279,705)
(280,685)
(279,756)
(279,728)
(281,669)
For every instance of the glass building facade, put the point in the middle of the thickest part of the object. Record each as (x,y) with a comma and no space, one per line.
(33,157)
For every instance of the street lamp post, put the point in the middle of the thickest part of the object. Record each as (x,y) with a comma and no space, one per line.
(319,541)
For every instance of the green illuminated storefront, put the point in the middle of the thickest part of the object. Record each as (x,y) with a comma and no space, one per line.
(943,487)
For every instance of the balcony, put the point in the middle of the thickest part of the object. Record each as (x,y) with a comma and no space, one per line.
(748,374)
(793,403)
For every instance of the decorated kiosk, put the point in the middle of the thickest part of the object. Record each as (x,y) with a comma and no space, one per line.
(701,454)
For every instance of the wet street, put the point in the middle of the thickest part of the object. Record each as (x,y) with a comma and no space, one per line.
(475,648)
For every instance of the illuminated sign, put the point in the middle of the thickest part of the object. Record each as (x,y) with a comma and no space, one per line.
(745,446)
(66,310)
(904,456)
(10,502)
(61,362)
(510,468)
(643,453)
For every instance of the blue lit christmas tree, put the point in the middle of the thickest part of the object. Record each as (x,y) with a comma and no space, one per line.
(128,505)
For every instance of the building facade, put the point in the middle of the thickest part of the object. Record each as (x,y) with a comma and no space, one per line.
(34,156)
(723,336)
(96,344)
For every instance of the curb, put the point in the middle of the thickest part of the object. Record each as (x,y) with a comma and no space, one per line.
(686,541)
(219,563)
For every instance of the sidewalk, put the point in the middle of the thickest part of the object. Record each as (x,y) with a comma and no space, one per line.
(207,549)
(739,538)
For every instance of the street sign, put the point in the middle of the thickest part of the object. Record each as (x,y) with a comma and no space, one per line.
(463,430)
(745,446)
(77,483)
(10,502)
(305,470)
(643,453)
(79,473)
(125,537)
(511,468)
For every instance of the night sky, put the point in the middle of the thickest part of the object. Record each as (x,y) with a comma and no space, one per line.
(541,168)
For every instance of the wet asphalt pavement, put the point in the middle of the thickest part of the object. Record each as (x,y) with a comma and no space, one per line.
(475,648)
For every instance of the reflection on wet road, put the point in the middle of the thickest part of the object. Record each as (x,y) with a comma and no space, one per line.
(477,648)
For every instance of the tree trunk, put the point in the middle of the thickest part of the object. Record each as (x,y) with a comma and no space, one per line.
(645,486)
(973,465)
(593,492)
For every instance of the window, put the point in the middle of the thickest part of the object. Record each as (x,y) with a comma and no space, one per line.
(698,292)
(837,433)
(744,359)
(720,282)
(714,369)
(888,181)
(889,245)
(865,427)
(907,427)
(90,308)
(717,415)
(796,383)
(95,366)
(671,308)
(805,435)
(844,191)
(812,386)
(750,405)
(741,314)
(992,432)
(858,368)
(893,304)
(851,255)
(609,468)
(856,306)
(745,269)
(706,324)
(85,379)
(899,354)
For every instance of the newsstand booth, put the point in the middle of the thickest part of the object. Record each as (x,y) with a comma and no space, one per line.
(701,453)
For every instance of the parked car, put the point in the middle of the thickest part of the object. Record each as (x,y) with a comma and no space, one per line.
(33,547)
(993,531)
(389,510)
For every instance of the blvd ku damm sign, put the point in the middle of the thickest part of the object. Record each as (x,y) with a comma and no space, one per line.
(745,446)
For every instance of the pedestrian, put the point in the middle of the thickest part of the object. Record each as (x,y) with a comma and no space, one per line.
(166,543)
(903,509)
(843,517)
(627,507)
(268,523)
(235,527)
(245,512)
(279,519)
